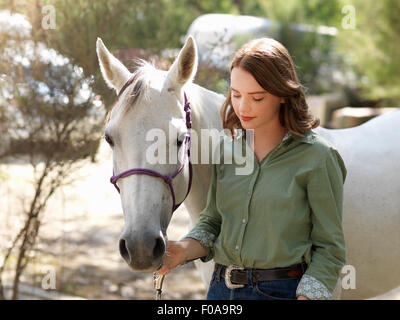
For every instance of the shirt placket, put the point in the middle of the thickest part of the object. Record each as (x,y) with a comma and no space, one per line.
(250,191)
(245,216)
(277,151)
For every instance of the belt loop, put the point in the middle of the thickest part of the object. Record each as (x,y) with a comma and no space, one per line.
(249,274)
(303,267)
(218,272)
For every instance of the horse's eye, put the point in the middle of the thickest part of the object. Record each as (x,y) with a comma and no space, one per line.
(108,139)
(179,143)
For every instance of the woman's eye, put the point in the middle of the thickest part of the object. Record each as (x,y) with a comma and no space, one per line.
(259,99)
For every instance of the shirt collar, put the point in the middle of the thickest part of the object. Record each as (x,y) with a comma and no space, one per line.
(287,136)
(309,137)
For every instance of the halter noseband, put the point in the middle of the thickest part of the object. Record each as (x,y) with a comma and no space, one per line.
(167,178)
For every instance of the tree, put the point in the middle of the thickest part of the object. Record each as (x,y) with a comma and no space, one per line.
(49,119)
(122,24)
(372,48)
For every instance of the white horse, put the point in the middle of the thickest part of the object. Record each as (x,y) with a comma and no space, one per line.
(371,218)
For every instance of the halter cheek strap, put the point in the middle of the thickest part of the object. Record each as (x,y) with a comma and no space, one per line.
(167,178)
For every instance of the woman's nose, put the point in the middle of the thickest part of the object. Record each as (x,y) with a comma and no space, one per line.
(244,106)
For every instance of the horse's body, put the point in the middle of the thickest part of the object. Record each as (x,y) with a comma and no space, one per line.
(371,209)
(371,217)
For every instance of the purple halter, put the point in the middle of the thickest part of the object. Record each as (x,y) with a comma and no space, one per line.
(167,179)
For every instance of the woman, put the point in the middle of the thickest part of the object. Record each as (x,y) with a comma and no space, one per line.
(275,233)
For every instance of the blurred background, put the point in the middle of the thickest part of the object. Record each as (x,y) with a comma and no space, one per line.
(60,218)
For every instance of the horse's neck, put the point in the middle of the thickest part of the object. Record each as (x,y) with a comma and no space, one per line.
(205,106)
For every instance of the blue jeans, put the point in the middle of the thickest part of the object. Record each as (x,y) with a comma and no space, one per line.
(261,290)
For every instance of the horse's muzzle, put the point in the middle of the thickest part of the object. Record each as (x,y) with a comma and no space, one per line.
(145,254)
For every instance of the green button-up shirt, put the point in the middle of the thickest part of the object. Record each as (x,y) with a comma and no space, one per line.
(288,209)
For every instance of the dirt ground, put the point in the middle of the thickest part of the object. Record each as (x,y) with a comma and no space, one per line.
(79,240)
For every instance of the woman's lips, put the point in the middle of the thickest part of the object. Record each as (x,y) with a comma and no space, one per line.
(247,118)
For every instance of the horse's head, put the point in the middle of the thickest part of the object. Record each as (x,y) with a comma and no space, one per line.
(147,107)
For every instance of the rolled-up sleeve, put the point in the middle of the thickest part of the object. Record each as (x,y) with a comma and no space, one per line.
(325,195)
(208,226)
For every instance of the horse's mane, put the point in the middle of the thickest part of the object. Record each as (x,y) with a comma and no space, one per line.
(138,81)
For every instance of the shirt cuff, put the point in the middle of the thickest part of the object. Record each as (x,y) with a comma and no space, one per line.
(206,239)
(312,289)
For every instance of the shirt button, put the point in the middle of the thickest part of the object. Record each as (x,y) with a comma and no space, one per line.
(237,247)
(244,220)
(249,193)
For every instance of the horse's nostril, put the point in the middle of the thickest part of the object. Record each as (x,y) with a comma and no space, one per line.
(124,251)
(159,248)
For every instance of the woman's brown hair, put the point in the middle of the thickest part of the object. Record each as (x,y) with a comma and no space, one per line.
(270,64)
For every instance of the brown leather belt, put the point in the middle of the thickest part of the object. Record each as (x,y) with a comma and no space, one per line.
(236,277)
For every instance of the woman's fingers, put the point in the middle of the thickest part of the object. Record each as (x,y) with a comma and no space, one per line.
(163,270)
(171,259)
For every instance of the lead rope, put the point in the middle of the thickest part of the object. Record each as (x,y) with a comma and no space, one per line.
(158,280)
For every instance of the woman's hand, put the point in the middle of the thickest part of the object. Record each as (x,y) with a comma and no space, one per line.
(302,298)
(180,251)
(174,256)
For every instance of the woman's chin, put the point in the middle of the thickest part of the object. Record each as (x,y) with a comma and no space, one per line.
(246,125)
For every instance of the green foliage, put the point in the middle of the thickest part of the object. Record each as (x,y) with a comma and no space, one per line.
(46,109)
(311,51)
(372,49)
(151,25)
(369,53)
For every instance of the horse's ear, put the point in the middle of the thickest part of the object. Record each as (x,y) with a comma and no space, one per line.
(115,74)
(184,67)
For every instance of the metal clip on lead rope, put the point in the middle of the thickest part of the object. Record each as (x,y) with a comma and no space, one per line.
(158,280)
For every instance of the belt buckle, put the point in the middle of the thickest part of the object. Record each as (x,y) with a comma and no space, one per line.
(228,281)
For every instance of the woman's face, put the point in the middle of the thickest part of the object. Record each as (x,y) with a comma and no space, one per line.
(249,99)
